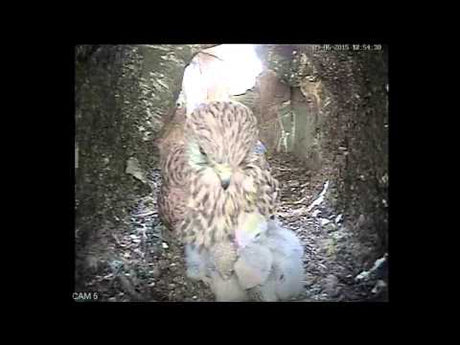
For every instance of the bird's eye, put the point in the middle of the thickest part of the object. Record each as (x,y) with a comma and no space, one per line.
(202,151)
(258,235)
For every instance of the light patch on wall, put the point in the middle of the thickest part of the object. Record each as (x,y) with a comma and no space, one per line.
(220,72)
(241,66)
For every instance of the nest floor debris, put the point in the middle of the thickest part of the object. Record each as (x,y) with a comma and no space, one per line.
(146,263)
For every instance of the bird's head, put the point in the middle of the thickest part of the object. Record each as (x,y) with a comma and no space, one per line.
(221,135)
(250,227)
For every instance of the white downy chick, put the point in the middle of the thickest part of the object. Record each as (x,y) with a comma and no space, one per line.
(233,272)
(287,251)
(254,265)
(254,260)
(222,280)
(270,260)
(227,290)
(267,265)
(204,266)
(223,256)
(216,267)
(251,226)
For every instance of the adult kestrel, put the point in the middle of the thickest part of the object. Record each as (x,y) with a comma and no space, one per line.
(213,169)
(220,197)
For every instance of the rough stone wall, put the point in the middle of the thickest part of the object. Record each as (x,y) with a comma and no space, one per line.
(286,109)
(107,83)
(333,106)
(267,100)
(122,95)
(355,137)
(340,106)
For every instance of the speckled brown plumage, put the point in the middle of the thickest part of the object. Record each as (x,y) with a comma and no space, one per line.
(212,173)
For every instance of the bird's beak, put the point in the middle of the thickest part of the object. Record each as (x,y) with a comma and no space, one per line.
(224,171)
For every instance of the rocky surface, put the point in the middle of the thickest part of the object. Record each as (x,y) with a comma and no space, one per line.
(334,255)
(338,101)
(334,120)
(146,263)
(123,94)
